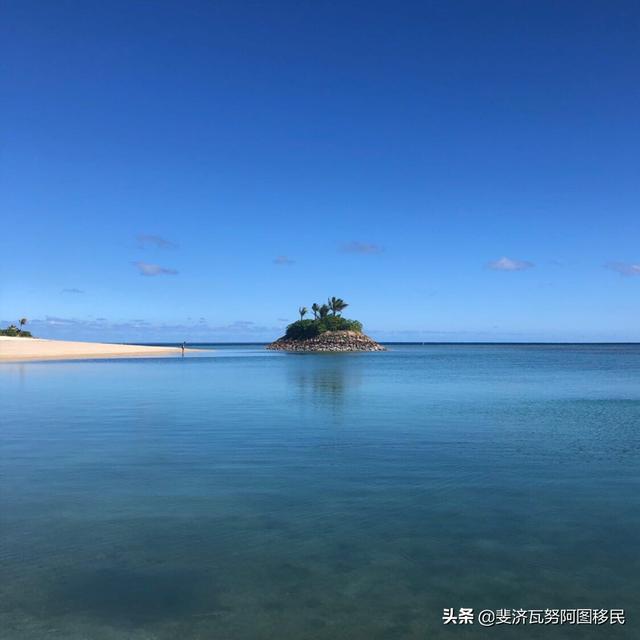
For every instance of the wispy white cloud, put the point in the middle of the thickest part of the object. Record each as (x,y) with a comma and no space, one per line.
(283,261)
(364,248)
(509,264)
(150,240)
(148,269)
(625,268)
(72,290)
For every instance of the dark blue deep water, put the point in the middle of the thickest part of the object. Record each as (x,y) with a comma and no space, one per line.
(241,494)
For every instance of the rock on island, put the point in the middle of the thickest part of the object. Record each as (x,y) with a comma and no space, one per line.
(337,341)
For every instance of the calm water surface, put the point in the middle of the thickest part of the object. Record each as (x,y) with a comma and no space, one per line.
(240,494)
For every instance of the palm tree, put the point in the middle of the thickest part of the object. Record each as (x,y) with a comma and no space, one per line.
(340,305)
(303,312)
(337,305)
(315,307)
(323,311)
(23,321)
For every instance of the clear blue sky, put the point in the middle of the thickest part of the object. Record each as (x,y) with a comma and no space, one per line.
(197,170)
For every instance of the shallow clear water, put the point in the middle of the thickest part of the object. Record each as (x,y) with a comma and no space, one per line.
(241,494)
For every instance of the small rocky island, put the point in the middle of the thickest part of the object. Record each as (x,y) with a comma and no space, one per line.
(327,332)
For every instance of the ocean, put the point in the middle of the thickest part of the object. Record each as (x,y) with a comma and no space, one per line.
(240,494)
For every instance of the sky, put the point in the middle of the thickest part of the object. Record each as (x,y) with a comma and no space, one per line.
(455,171)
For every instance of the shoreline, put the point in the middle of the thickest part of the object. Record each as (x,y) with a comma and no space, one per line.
(16,349)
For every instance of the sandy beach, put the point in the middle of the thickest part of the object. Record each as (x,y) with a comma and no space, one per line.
(14,349)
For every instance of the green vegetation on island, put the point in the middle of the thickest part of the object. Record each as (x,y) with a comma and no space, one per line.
(326,317)
(16,332)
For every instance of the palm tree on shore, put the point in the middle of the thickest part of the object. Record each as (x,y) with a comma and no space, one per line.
(303,312)
(323,311)
(23,321)
(315,307)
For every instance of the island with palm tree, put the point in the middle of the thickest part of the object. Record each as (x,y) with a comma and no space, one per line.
(327,331)
(16,332)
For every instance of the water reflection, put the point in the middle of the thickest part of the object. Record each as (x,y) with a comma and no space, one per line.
(325,379)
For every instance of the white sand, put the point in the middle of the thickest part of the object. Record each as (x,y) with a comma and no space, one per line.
(36,349)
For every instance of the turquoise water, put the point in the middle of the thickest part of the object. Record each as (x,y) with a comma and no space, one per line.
(241,494)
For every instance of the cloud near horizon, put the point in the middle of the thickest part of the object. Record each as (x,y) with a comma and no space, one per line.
(364,248)
(147,269)
(508,264)
(104,329)
(72,290)
(150,240)
(624,268)
(283,261)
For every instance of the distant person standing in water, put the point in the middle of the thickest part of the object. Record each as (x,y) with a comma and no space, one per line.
(182,347)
